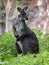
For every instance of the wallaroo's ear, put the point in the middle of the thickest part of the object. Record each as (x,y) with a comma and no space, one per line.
(25,8)
(19,9)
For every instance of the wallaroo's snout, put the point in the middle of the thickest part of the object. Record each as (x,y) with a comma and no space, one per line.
(26,18)
(22,14)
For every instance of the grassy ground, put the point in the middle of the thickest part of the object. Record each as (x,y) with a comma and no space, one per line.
(8,54)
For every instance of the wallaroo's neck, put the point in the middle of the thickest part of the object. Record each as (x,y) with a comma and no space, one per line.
(24,23)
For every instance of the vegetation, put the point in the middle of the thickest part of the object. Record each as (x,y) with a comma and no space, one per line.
(9,56)
(6,46)
(18,2)
(2,13)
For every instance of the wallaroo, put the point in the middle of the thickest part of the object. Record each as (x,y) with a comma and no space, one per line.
(26,40)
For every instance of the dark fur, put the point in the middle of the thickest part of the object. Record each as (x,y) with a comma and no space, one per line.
(26,39)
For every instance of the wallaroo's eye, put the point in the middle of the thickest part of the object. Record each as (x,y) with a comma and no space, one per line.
(16,23)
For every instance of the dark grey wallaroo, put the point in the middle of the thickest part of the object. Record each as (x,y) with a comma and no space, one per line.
(26,40)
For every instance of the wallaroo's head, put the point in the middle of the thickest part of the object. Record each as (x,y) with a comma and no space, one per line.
(22,15)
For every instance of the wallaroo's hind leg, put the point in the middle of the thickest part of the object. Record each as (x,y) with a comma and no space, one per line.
(25,50)
(18,48)
(29,46)
(34,48)
(25,46)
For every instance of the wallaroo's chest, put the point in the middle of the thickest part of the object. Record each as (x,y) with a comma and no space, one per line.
(20,26)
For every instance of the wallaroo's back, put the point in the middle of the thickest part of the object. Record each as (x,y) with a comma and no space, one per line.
(26,40)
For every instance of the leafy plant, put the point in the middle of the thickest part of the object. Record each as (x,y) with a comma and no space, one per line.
(8,54)
(7,48)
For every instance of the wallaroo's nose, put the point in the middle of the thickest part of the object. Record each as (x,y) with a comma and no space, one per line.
(26,18)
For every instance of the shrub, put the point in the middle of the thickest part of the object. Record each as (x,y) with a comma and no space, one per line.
(40,59)
(8,55)
(7,48)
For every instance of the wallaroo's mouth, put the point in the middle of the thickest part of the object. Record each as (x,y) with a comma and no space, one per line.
(23,19)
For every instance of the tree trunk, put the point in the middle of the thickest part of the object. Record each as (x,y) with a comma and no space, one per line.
(2,17)
(38,13)
(11,5)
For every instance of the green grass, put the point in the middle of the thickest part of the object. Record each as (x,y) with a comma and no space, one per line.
(8,54)
(7,48)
